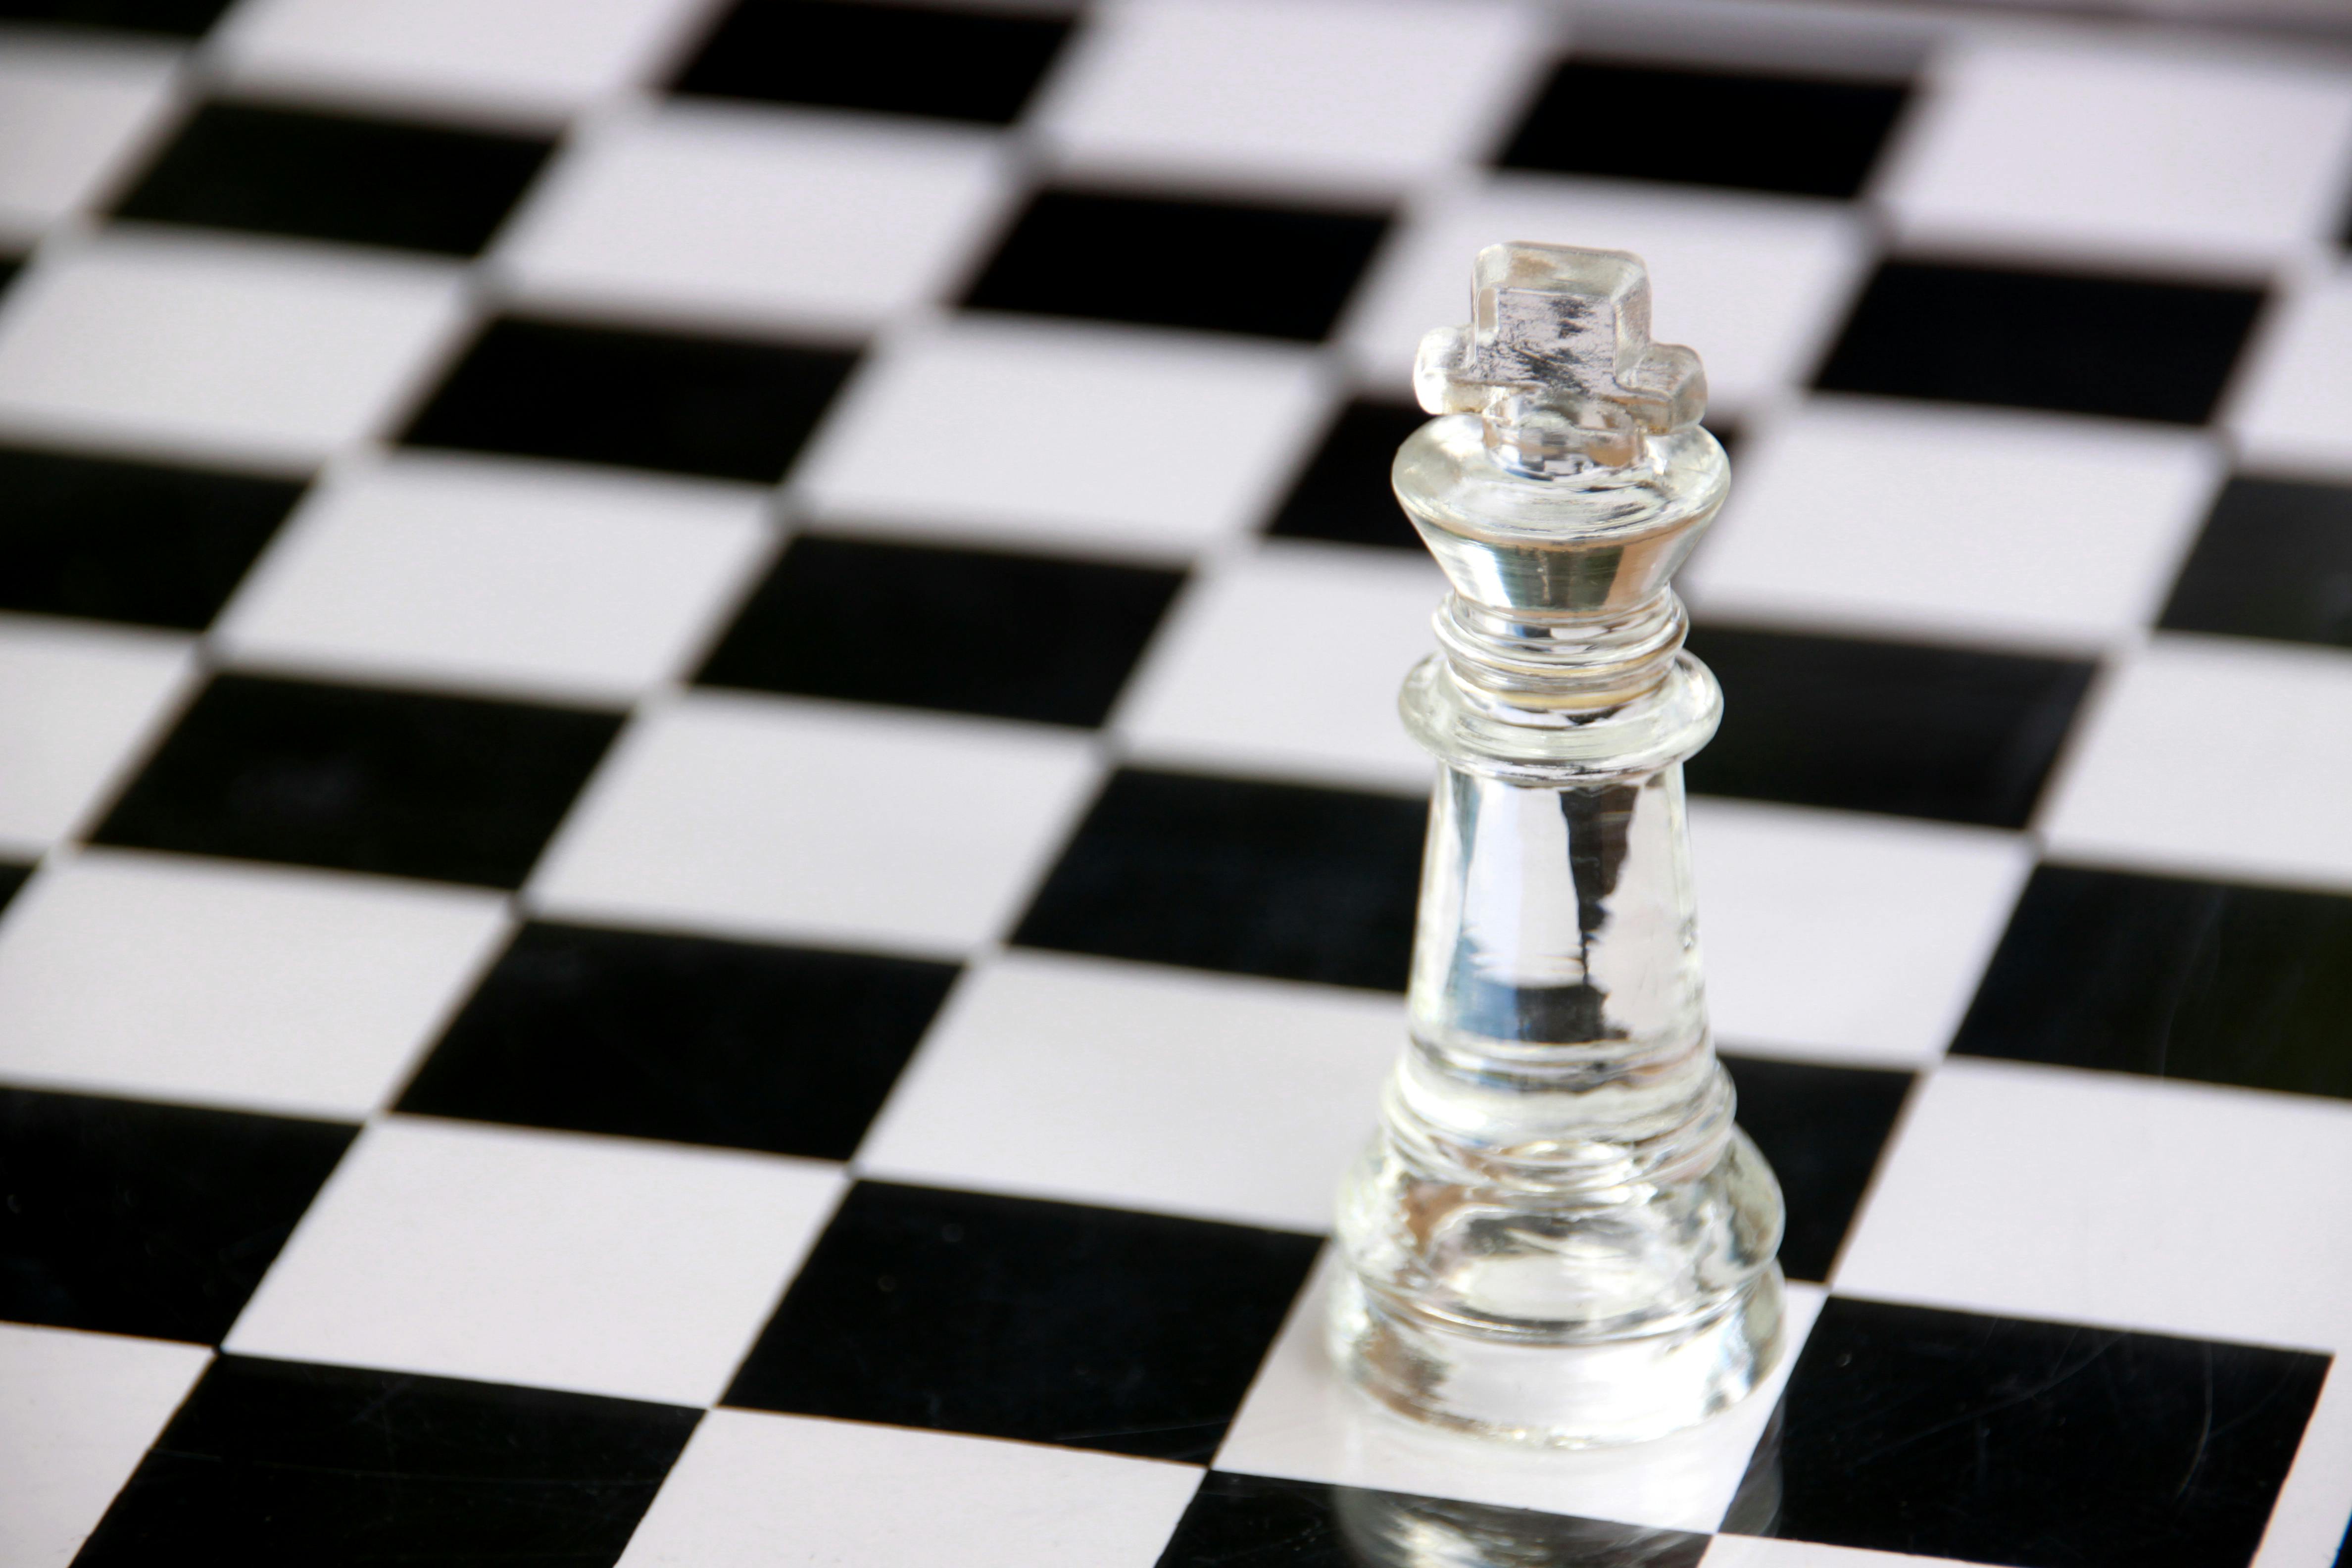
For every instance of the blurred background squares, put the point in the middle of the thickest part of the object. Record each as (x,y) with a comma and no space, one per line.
(320,1463)
(2029,147)
(891,1494)
(646,1034)
(1910,522)
(1953,734)
(600,1265)
(332,176)
(1095,1328)
(1246,680)
(731,214)
(2274,560)
(1274,879)
(81,1410)
(75,113)
(506,578)
(2294,411)
(76,702)
(515,61)
(1343,495)
(1207,266)
(403,784)
(226,350)
(1108,1083)
(1032,637)
(155,1220)
(815,822)
(1031,435)
(719,408)
(118,541)
(2072,342)
(213,983)
(1754,277)
(1321,96)
(1801,135)
(946,62)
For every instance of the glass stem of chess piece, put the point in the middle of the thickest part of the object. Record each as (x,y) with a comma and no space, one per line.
(1559,1235)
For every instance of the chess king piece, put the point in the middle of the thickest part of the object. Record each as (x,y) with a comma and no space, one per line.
(1558,1235)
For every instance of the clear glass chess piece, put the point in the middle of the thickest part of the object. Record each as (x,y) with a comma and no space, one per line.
(1559,1235)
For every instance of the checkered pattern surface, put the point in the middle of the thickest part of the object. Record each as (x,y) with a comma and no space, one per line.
(710,862)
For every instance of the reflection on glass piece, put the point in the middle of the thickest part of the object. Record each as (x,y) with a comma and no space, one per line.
(1559,1235)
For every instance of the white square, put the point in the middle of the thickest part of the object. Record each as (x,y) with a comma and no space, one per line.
(77,1414)
(735,216)
(215,983)
(77,703)
(2112,1198)
(2276,718)
(1352,97)
(1301,1422)
(2171,156)
(529,59)
(1245,678)
(2293,408)
(1105,439)
(602,1265)
(1753,282)
(1115,1084)
(2012,528)
(534,579)
(1844,937)
(817,821)
(258,351)
(75,114)
(750,1485)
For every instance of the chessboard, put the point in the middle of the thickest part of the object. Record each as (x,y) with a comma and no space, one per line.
(712,860)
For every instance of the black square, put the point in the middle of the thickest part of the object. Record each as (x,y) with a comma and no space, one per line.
(2173,979)
(277,1463)
(186,18)
(454,788)
(1010,1318)
(156,1220)
(129,541)
(12,876)
(1237,1519)
(1033,638)
(1224,266)
(685,1038)
(1945,733)
(1821,1128)
(898,59)
(2274,560)
(648,400)
(1344,496)
(2077,344)
(334,177)
(1258,878)
(1805,136)
(2041,1444)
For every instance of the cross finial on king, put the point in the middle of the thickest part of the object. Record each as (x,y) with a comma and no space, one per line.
(1558,360)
